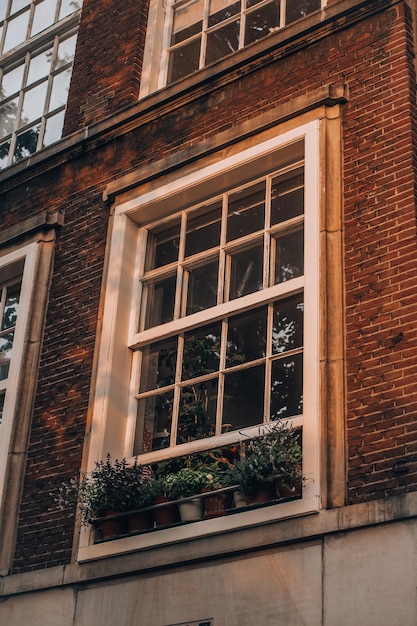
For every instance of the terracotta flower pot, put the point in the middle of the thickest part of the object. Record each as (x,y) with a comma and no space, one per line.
(165,515)
(113,527)
(139,520)
(264,492)
(216,504)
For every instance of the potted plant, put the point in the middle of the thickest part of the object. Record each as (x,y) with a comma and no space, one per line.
(216,469)
(160,491)
(272,459)
(184,484)
(105,494)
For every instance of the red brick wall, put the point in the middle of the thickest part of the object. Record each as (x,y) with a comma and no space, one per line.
(108,60)
(375,59)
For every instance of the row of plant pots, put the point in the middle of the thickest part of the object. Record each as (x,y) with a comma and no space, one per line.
(135,497)
(208,505)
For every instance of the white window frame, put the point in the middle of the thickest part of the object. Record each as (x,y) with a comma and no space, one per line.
(26,256)
(50,38)
(114,405)
(156,57)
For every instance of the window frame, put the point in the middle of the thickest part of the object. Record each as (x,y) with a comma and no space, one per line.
(48,39)
(158,45)
(27,256)
(114,405)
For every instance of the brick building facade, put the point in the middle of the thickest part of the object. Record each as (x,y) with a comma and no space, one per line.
(332,90)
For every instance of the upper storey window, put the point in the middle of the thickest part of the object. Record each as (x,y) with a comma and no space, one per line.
(204,31)
(200,32)
(37,45)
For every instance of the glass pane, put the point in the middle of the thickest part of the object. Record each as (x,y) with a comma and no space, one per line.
(3,8)
(17,5)
(261,22)
(53,129)
(246,337)
(203,230)
(197,411)
(4,152)
(11,307)
(287,331)
(160,302)
(158,365)
(246,211)
(243,401)
(218,12)
(287,387)
(4,363)
(201,351)
(289,261)
(16,31)
(6,342)
(163,245)
(68,7)
(187,21)
(33,103)
(40,66)
(246,272)
(300,8)
(202,288)
(222,41)
(8,117)
(59,93)
(12,81)
(26,143)
(66,50)
(287,197)
(184,60)
(44,16)
(153,423)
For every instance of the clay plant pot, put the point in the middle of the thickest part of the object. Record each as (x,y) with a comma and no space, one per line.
(264,492)
(216,504)
(165,515)
(140,520)
(113,527)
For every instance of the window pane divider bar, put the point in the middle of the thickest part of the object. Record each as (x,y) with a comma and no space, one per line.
(239,305)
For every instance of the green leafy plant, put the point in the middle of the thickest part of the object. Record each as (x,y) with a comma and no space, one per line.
(187,482)
(274,454)
(108,487)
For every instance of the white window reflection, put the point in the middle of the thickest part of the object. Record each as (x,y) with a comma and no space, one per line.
(35,85)
(44,16)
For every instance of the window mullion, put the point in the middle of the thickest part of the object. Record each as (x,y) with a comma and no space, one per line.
(220,386)
(177,390)
(202,60)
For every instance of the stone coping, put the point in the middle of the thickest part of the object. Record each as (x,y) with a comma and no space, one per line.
(315,526)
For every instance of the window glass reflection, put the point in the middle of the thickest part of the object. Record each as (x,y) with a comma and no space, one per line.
(44,15)
(16,32)
(287,387)
(33,103)
(40,66)
(26,143)
(158,365)
(12,81)
(53,128)
(60,87)
(289,260)
(202,288)
(246,274)
(8,117)
(243,401)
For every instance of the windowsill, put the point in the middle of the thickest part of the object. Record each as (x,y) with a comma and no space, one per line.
(185,532)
